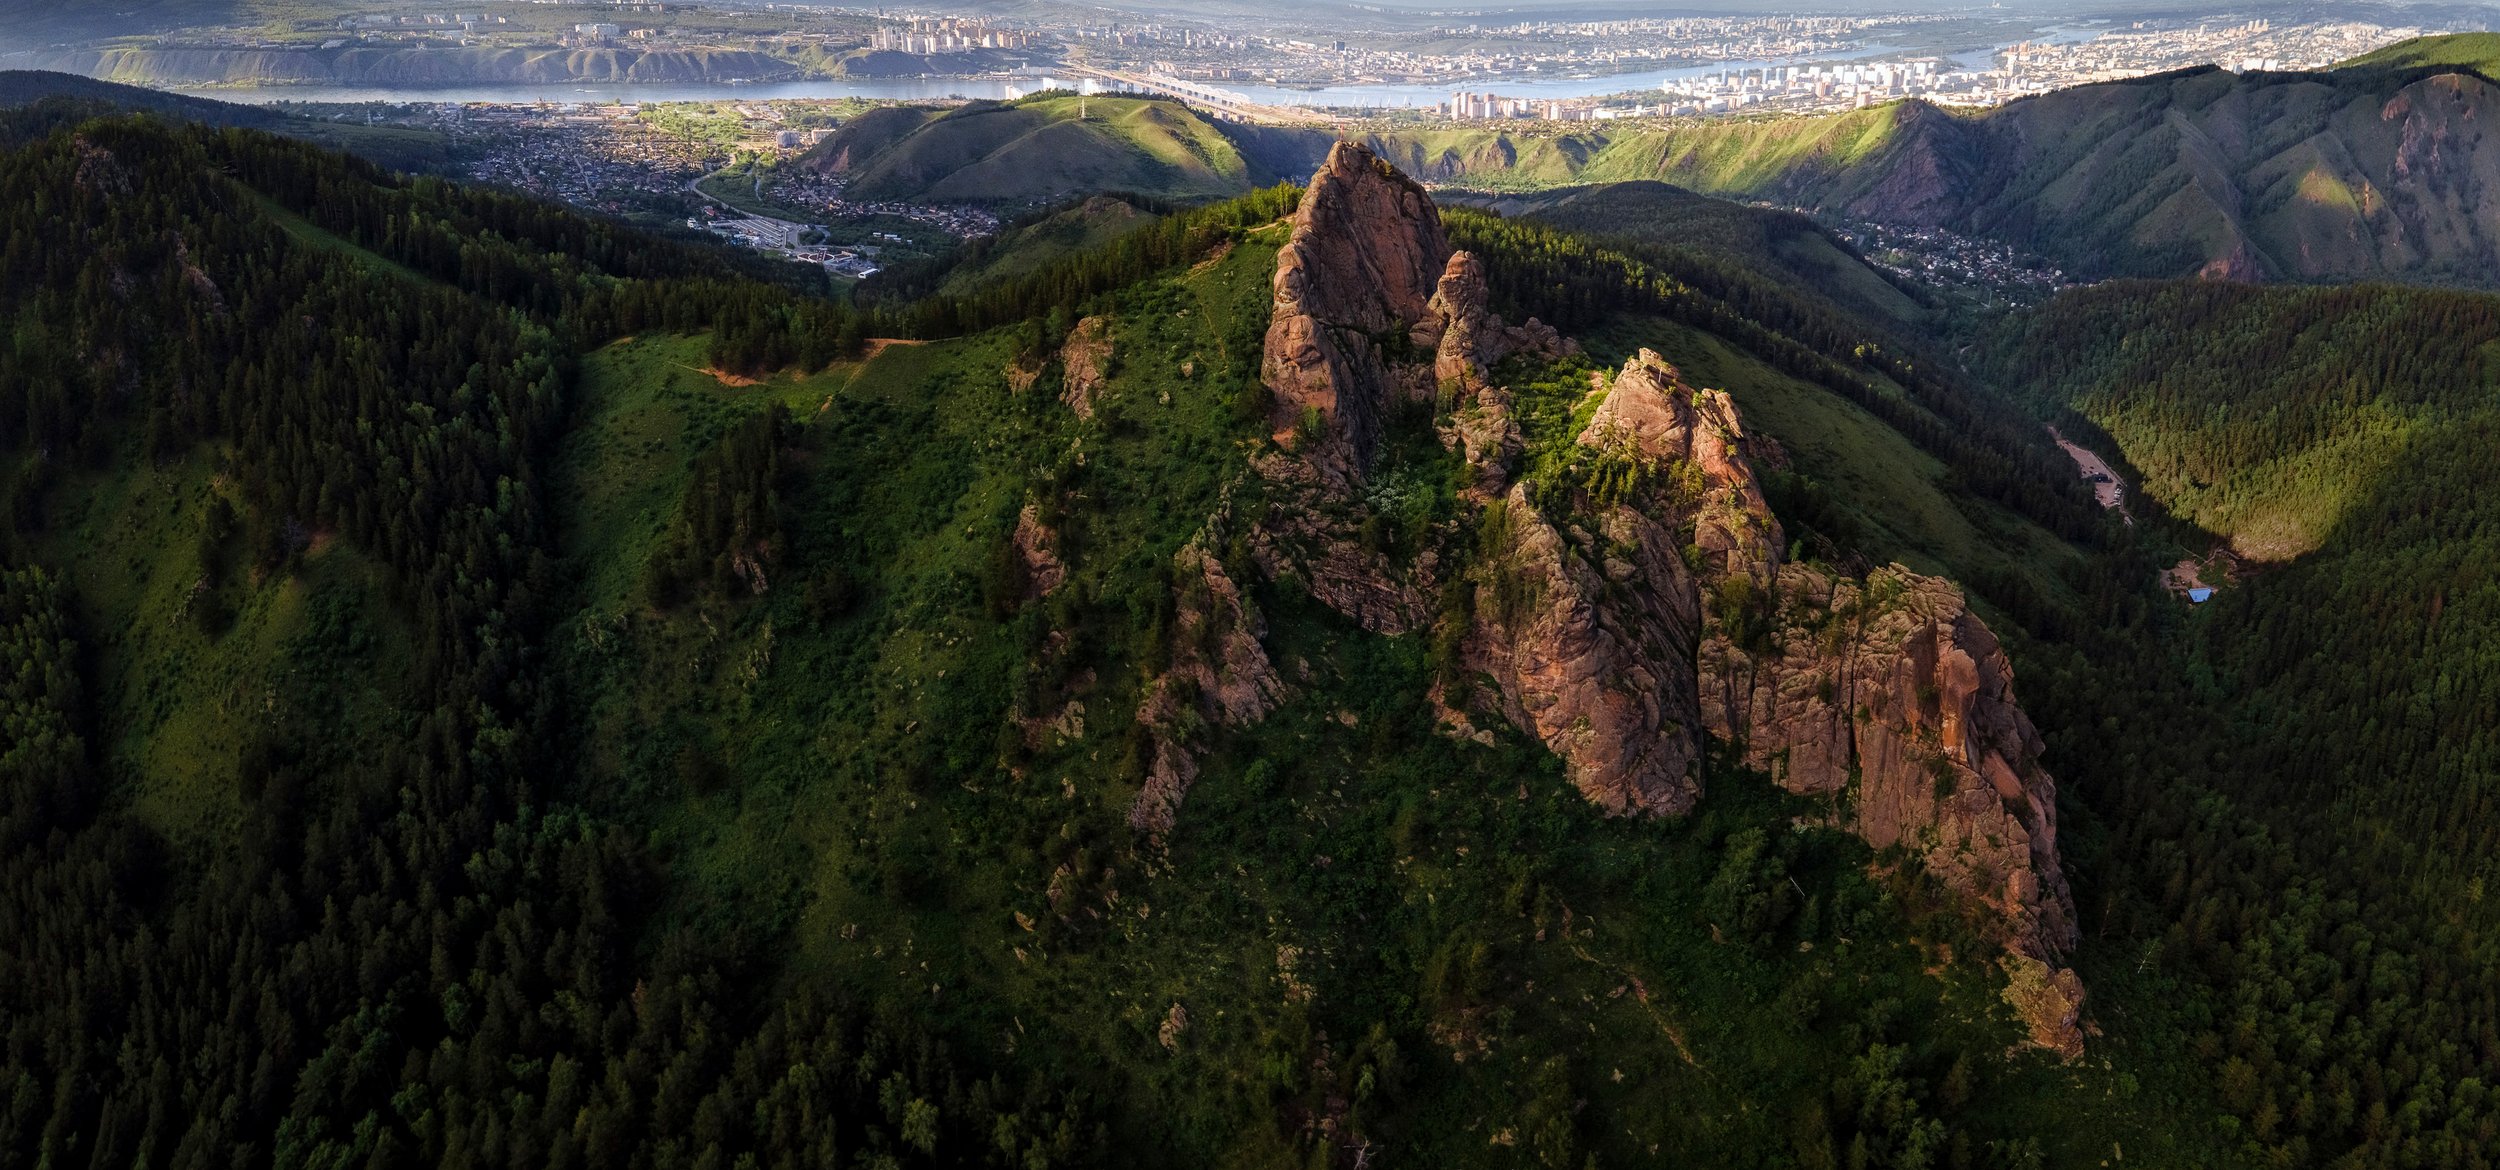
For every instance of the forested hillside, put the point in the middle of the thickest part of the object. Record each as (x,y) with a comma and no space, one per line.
(483,687)
(290,878)
(2300,772)
(1807,261)
(72,97)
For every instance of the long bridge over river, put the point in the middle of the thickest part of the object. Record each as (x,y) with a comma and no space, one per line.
(1223,103)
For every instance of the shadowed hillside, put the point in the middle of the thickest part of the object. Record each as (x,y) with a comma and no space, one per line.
(75,97)
(1782,246)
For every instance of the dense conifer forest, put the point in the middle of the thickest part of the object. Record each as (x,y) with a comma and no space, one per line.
(479,686)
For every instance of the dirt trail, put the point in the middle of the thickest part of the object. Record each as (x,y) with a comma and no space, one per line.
(2105,485)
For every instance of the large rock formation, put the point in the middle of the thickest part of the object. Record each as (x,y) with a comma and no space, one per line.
(1891,679)
(1886,689)
(1357,275)
(1624,612)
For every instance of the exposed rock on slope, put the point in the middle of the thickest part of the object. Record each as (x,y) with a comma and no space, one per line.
(1038,547)
(1086,359)
(1894,680)
(1371,307)
(1219,674)
(1886,688)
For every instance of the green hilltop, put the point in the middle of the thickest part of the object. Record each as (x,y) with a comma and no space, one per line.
(619,688)
(2476,51)
(1036,150)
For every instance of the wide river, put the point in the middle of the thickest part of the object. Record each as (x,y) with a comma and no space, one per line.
(927,88)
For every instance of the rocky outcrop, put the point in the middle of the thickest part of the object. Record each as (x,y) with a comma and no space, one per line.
(1371,308)
(1483,430)
(1890,689)
(1038,546)
(1353,292)
(1312,532)
(2049,1002)
(1219,674)
(1886,688)
(1587,637)
(1621,612)
(1466,338)
(99,172)
(1687,443)
(1085,364)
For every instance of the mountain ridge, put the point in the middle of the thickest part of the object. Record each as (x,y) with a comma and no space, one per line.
(2363,172)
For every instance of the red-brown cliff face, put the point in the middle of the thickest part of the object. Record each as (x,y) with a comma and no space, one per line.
(1884,692)
(1586,637)
(1353,282)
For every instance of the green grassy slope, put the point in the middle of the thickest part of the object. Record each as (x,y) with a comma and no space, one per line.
(1086,227)
(2478,51)
(1035,150)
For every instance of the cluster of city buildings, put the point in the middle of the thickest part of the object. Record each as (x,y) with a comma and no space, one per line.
(945,35)
(823,196)
(1944,259)
(613,158)
(604,158)
(2028,67)
(2149,47)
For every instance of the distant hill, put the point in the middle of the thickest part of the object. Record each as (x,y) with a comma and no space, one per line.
(1039,149)
(79,97)
(1782,245)
(2343,175)
(2377,169)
